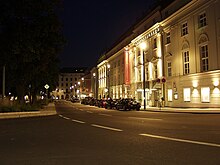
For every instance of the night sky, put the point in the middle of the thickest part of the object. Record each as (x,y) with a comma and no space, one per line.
(90,27)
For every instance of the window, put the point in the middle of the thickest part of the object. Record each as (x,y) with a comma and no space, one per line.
(155,43)
(186,94)
(184,29)
(139,74)
(61,78)
(66,84)
(146,73)
(169,69)
(66,79)
(186,62)
(139,61)
(170,95)
(204,58)
(155,71)
(168,38)
(202,20)
(75,79)
(71,79)
(61,84)
(205,94)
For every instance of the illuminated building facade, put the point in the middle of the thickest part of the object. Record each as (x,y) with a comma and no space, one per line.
(192,55)
(68,84)
(172,54)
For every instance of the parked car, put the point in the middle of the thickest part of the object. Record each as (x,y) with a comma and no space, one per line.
(110,104)
(128,104)
(74,100)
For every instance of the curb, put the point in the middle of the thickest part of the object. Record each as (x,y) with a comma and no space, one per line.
(46,111)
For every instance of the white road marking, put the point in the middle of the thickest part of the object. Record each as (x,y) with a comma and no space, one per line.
(61,115)
(78,121)
(181,140)
(103,114)
(89,111)
(108,128)
(144,118)
(66,118)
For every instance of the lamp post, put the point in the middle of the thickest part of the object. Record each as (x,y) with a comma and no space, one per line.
(143,47)
(47,87)
(94,87)
(3,83)
(108,66)
(79,90)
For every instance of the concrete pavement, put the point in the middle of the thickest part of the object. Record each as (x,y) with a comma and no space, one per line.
(183,110)
(50,110)
(46,111)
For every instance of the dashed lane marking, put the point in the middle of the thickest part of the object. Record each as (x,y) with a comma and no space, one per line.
(78,121)
(89,111)
(144,118)
(64,117)
(67,118)
(108,128)
(103,114)
(181,140)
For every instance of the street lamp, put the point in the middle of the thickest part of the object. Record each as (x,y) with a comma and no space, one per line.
(47,87)
(143,47)
(94,87)
(78,91)
(108,66)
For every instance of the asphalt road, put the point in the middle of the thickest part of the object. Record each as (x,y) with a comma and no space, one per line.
(86,135)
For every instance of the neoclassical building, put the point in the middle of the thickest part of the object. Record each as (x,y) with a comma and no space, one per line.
(69,82)
(172,53)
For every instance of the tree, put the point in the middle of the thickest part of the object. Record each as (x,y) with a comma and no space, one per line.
(30,42)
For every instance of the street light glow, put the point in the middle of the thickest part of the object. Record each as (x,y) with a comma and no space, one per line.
(143,45)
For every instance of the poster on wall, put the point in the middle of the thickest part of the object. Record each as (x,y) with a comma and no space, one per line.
(170,95)
(205,94)
(186,94)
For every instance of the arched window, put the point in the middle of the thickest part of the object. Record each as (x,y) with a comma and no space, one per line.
(204,55)
(186,58)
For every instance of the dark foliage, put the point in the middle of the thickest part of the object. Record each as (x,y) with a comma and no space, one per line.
(30,42)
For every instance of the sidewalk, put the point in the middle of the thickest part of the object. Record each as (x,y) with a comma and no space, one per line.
(46,111)
(183,110)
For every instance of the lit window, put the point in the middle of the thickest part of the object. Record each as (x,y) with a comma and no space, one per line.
(139,74)
(202,20)
(168,38)
(169,69)
(204,58)
(186,62)
(170,95)
(155,71)
(186,94)
(205,94)
(155,43)
(146,73)
(184,29)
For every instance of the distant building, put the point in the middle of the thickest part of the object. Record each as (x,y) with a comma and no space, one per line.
(69,82)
